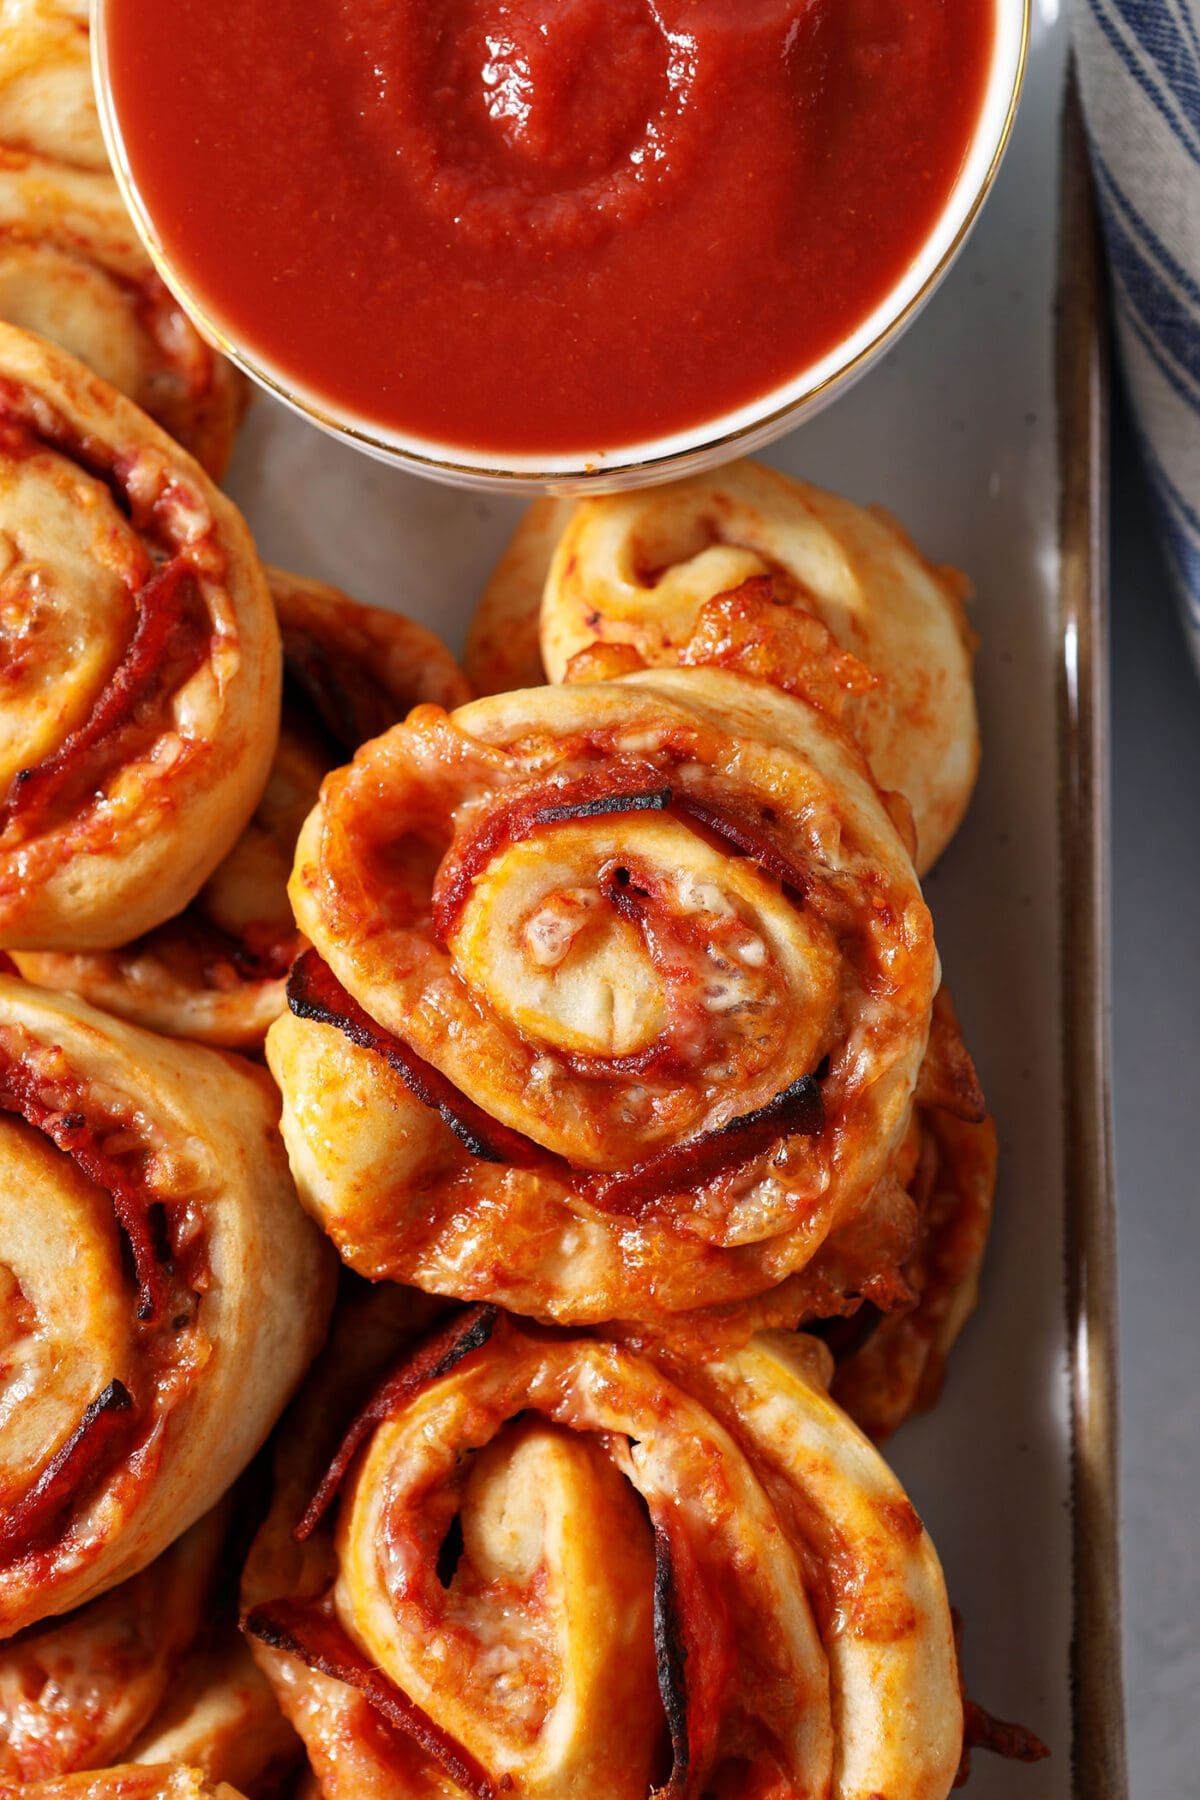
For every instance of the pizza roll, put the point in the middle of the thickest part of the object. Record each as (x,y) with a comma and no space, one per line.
(73,270)
(892,1364)
(544,1565)
(634,572)
(142,663)
(46,99)
(152,1671)
(617,999)
(217,972)
(140,1373)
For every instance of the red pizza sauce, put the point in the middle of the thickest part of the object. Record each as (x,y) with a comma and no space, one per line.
(544,225)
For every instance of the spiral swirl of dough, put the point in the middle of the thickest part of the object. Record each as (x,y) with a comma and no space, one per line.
(550,1566)
(140,656)
(140,1372)
(635,571)
(618,999)
(217,972)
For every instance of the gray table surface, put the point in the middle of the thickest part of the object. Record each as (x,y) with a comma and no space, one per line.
(1156,968)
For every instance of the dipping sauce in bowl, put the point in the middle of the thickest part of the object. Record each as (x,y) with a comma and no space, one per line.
(543,230)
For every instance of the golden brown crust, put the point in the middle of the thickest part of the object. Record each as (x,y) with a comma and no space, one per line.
(46,99)
(158,1356)
(143,663)
(154,1671)
(605,1160)
(75,1692)
(899,1367)
(217,972)
(73,270)
(765,1549)
(223,1719)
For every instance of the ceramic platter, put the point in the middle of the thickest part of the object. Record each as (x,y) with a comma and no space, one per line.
(982,430)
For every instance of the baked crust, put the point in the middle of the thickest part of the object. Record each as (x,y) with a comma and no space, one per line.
(217,972)
(154,1671)
(156,1356)
(47,104)
(143,662)
(532,1588)
(131,1781)
(542,1145)
(73,270)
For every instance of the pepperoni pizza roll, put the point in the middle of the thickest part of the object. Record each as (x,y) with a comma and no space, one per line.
(892,1364)
(141,663)
(139,1373)
(217,972)
(633,572)
(152,1671)
(46,100)
(542,1564)
(617,999)
(73,270)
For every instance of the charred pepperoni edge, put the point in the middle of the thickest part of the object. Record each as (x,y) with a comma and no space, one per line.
(671,1655)
(434,1357)
(602,793)
(168,635)
(91,1450)
(71,1133)
(695,1657)
(798,1111)
(304,1631)
(314,992)
(748,837)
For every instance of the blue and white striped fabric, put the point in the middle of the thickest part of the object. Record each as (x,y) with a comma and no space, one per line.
(1139,63)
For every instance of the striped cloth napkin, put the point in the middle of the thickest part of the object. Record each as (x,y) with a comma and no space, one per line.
(1139,65)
